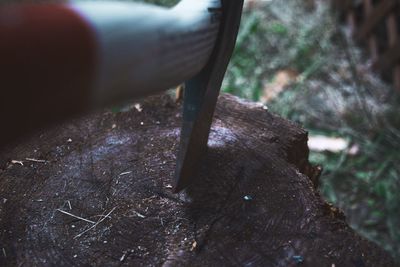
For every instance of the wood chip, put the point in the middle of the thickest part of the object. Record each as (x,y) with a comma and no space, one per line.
(194,246)
(325,143)
(122,257)
(139,214)
(97,223)
(17,162)
(36,160)
(138,107)
(75,216)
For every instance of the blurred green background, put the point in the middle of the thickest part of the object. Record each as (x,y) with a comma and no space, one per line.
(294,56)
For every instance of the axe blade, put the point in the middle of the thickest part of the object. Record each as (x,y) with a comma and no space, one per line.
(201,94)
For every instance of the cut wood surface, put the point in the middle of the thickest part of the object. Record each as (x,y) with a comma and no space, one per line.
(97,191)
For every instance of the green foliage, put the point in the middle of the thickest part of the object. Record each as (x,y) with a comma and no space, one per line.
(267,43)
(244,73)
(329,98)
(365,186)
(278,28)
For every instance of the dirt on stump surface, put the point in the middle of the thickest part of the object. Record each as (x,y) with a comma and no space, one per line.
(97,191)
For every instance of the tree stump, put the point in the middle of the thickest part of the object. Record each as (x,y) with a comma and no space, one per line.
(97,191)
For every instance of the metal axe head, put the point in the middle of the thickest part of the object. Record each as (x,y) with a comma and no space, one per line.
(201,94)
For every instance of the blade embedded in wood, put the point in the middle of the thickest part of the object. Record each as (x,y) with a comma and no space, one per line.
(201,96)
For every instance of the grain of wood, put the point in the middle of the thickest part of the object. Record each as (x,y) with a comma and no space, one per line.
(252,203)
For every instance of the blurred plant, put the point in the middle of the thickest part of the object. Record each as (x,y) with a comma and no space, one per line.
(337,95)
(269,41)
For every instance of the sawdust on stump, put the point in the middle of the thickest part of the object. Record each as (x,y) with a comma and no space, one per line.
(97,191)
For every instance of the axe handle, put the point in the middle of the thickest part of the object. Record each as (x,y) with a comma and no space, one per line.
(48,58)
(61,60)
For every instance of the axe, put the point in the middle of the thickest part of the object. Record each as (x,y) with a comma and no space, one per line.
(59,60)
